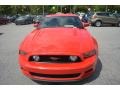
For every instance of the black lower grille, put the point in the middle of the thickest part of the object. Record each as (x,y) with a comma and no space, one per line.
(90,70)
(55,76)
(55,59)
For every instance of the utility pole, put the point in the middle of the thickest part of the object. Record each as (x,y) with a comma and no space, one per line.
(37,10)
(61,8)
(43,10)
(106,8)
(70,8)
(74,7)
(57,8)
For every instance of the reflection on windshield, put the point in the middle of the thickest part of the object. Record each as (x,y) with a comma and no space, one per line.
(21,17)
(62,21)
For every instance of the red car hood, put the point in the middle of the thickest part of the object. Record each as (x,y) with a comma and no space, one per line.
(70,41)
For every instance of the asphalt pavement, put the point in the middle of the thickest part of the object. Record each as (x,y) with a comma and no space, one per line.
(108,66)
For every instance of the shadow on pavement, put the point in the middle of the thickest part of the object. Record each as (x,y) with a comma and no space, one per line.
(1,33)
(107,25)
(84,81)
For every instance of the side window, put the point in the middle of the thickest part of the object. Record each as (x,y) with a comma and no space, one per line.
(26,17)
(101,14)
(116,15)
(107,14)
(111,14)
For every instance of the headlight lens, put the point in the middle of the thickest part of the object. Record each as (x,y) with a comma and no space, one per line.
(21,52)
(73,58)
(89,54)
(36,58)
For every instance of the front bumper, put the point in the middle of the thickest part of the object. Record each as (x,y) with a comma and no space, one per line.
(55,72)
(20,22)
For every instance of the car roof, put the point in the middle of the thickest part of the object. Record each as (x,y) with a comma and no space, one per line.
(61,14)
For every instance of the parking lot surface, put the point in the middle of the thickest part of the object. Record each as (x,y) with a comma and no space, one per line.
(108,67)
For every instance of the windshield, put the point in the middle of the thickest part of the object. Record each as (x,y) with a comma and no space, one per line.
(61,21)
(22,17)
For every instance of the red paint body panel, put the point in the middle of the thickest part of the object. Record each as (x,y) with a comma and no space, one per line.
(61,14)
(58,41)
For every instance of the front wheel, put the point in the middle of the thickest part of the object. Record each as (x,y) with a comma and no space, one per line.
(98,23)
(16,23)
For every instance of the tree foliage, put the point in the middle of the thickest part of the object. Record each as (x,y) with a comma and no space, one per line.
(40,9)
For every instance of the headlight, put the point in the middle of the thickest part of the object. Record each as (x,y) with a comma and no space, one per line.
(89,54)
(73,58)
(21,52)
(36,58)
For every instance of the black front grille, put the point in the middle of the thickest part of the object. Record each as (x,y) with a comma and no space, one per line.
(55,59)
(55,76)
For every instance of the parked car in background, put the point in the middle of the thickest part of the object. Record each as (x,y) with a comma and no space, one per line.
(38,18)
(8,17)
(85,18)
(80,14)
(3,20)
(117,14)
(14,17)
(100,18)
(33,16)
(22,20)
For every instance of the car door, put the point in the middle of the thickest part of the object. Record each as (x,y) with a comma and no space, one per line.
(112,19)
(28,19)
(104,17)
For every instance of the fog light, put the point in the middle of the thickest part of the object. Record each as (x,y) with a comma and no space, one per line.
(36,58)
(73,58)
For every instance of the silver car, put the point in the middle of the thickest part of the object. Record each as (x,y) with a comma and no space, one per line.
(100,18)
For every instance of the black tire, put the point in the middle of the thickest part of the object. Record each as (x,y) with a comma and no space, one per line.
(113,24)
(16,23)
(92,24)
(98,23)
(118,24)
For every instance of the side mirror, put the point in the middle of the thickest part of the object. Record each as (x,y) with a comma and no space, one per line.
(86,24)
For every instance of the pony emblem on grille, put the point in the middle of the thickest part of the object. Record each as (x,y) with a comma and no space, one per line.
(54,58)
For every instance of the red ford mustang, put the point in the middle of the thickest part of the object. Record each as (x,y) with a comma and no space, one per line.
(59,49)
